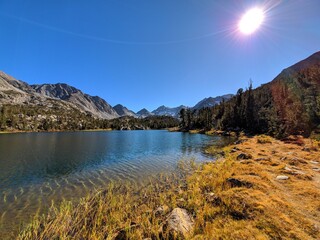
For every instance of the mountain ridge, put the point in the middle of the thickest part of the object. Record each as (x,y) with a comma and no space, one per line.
(87,103)
(211,101)
(123,111)
(167,111)
(144,113)
(94,105)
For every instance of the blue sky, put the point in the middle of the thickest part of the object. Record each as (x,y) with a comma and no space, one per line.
(147,53)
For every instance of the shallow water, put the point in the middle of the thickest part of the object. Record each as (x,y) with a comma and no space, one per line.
(37,169)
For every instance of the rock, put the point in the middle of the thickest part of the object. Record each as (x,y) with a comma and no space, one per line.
(300,160)
(282,177)
(295,168)
(235,149)
(294,171)
(179,223)
(245,161)
(226,133)
(239,183)
(306,149)
(161,210)
(136,127)
(243,156)
(240,141)
(263,159)
(210,196)
(287,168)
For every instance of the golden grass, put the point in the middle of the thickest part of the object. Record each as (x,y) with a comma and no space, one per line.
(262,139)
(228,199)
(97,130)
(194,131)
(173,129)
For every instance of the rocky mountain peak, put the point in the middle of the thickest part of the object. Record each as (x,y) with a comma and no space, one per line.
(210,101)
(144,113)
(95,105)
(59,90)
(166,111)
(123,111)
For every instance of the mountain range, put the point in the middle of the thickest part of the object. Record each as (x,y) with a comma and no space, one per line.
(15,92)
(289,104)
(210,101)
(92,104)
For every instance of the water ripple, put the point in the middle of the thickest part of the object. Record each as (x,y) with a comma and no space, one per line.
(37,169)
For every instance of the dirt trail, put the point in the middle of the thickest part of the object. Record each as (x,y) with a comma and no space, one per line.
(300,163)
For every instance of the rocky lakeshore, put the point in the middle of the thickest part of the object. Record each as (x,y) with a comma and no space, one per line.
(259,188)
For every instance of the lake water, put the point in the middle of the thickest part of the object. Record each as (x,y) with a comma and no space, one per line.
(38,168)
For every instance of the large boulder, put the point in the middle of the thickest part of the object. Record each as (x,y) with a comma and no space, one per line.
(179,224)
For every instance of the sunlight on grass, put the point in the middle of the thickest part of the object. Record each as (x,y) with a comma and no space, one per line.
(228,199)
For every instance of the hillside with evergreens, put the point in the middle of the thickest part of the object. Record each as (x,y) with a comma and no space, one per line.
(290,104)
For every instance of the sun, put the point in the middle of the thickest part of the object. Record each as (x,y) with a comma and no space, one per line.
(251,21)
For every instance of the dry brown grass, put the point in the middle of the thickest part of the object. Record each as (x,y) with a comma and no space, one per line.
(264,139)
(228,199)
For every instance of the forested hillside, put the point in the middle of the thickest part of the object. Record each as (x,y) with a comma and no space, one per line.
(38,118)
(290,104)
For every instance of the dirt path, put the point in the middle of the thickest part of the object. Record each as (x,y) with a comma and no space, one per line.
(300,163)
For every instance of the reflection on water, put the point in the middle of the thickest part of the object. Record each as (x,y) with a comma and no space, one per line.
(38,168)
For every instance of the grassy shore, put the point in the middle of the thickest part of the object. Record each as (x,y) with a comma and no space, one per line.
(260,188)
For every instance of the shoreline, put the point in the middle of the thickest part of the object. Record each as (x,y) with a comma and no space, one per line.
(260,187)
(68,131)
(56,131)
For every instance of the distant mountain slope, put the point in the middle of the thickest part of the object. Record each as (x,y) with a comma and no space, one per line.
(174,112)
(13,91)
(210,101)
(144,113)
(95,105)
(16,92)
(22,108)
(123,111)
(166,111)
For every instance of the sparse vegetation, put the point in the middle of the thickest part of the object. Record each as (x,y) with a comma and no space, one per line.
(36,118)
(262,139)
(232,198)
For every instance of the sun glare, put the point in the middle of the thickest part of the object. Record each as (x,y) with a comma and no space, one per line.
(251,21)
